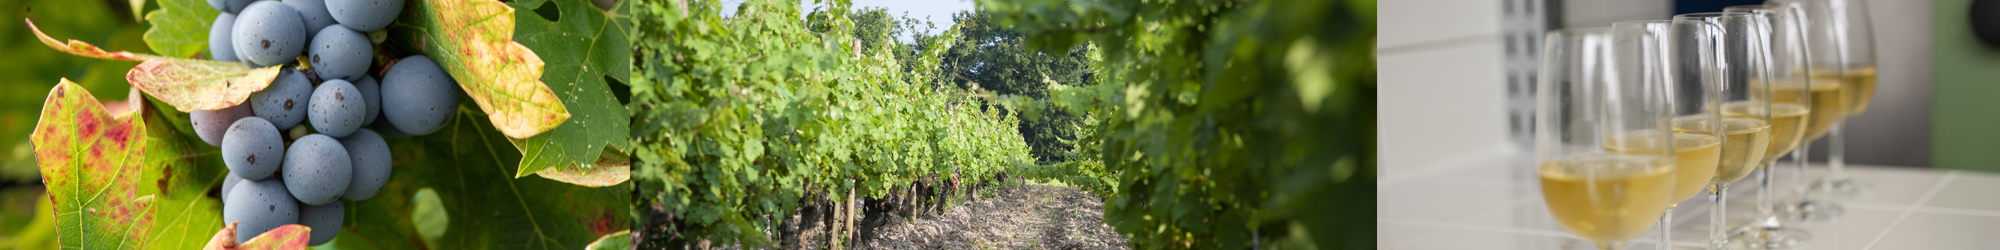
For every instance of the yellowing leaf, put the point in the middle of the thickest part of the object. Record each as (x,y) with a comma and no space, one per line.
(611,168)
(474,41)
(91,164)
(187,84)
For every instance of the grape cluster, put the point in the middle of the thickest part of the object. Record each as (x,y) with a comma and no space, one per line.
(279,173)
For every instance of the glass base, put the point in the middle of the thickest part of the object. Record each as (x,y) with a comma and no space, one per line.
(1840,188)
(1760,237)
(1809,210)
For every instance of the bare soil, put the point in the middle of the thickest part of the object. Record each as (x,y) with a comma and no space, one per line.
(1031,216)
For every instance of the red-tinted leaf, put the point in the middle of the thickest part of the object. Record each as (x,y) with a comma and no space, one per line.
(287,237)
(187,84)
(91,164)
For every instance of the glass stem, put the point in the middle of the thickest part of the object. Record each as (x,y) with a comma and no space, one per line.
(1717,194)
(1764,190)
(1803,156)
(1836,159)
(1667,228)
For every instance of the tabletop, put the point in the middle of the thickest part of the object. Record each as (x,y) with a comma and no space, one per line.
(1499,206)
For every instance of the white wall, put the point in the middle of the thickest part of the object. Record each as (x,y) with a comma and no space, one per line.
(1441,98)
(1896,129)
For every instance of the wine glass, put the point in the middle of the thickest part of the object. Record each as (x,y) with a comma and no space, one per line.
(1704,88)
(1589,102)
(1848,57)
(1789,30)
(1697,150)
(1747,52)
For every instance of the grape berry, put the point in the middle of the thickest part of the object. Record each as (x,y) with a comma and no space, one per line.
(336,117)
(418,96)
(259,205)
(270,32)
(337,108)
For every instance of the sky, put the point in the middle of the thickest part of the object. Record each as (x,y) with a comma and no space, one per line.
(936,11)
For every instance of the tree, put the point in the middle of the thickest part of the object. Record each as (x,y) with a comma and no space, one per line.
(992,57)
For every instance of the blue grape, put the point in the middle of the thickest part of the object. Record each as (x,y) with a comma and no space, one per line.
(313,13)
(252,149)
(317,169)
(218,38)
(418,96)
(284,102)
(370,155)
(210,125)
(271,33)
(229,182)
(229,6)
(340,53)
(372,93)
(337,108)
(324,220)
(259,206)
(365,15)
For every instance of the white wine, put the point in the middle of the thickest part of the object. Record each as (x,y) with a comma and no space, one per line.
(1858,86)
(1787,123)
(1607,198)
(1695,157)
(1827,103)
(1743,143)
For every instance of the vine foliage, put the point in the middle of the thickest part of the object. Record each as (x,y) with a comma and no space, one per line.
(1227,123)
(740,120)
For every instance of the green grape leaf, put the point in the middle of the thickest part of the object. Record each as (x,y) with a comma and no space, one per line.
(287,237)
(187,84)
(469,168)
(613,241)
(473,40)
(180,27)
(86,157)
(180,169)
(585,48)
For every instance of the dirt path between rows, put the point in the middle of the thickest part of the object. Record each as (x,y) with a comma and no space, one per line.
(1028,217)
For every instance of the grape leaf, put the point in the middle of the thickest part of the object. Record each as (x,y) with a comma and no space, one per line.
(287,237)
(86,160)
(613,241)
(611,168)
(186,84)
(180,27)
(469,166)
(473,40)
(180,169)
(585,48)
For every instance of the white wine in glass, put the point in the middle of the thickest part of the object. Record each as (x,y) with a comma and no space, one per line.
(1786,123)
(1587,99)
(1857,86)
(1607,198)
(1743,143)
(1827,102)
(1695,157)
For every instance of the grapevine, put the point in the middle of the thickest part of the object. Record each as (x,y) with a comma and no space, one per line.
(1227,123)
(742,120)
